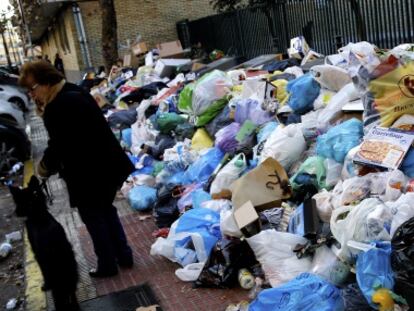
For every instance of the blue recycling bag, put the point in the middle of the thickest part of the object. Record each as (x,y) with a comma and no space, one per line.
(142,197)
(374,270)
(201,170)
(303,92)
(336,143)
(307,292)
(202,229)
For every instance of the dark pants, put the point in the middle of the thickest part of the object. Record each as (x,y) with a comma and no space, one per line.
(108,236)
(65,301)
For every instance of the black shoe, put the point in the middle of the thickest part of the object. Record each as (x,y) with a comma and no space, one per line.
(97,273)
(128,264)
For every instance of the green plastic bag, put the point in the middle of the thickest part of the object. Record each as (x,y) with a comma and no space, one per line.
(211,112)
(185,99)
(167,122)
(313,167)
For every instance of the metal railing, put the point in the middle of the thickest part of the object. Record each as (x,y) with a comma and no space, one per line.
(326,25)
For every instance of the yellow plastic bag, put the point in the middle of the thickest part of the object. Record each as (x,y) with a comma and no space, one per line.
(281,93)
(201,140)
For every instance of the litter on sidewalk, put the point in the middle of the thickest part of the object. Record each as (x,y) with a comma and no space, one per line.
(274,178)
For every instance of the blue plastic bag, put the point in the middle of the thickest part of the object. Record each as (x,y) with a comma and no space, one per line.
(407,166)
(249,109)
(336,143)
(199,196)
(146,166)
(142,197)
(303,92)
(266,131)
(203,228)
(307,292)
(127,137)
(374,270)
(201,169)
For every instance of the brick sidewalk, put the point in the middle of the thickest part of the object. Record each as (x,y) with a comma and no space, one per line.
(173,294)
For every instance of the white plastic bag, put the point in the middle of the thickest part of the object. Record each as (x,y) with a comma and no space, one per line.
(274,251)
(295,70)
(191,272)
(402,210)
(396,182)
(364,222)
(350,168)
(322,100)
(285,144)
(360,54)
(330,77)
(347,94)
(229,173)
(324,205)
(141,133)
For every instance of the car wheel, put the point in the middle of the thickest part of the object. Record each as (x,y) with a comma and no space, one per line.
(9,155)
(19,103)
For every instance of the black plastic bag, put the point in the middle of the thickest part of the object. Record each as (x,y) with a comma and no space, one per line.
(165,210)
(402,260)
(183,131)
(354,299)
(162,142)
(122,119)
(224,263)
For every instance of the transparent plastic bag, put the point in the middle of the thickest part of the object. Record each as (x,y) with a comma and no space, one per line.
(402,210)
(333,172)
(365,222)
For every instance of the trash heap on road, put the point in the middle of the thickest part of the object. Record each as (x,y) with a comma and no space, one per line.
(294,180)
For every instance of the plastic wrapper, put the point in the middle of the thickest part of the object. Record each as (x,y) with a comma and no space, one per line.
(142,197)
(330,77)
(365,222)
(249,109)
(229,173)
(374,270)
(303,92)
(274,251)
(306,292)
(285,144)
(337,142)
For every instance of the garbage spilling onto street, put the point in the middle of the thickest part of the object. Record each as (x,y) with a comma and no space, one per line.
(293,179)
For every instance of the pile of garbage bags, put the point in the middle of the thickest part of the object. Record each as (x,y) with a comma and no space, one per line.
(294,181)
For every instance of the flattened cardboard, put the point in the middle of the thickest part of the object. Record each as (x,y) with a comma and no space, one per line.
(139,48)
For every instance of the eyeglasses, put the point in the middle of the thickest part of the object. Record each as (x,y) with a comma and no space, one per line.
(33,87)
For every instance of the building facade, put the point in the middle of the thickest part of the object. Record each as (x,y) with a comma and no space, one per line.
(155,21)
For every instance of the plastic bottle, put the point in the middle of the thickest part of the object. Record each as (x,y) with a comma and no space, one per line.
(5,249)
(246,279)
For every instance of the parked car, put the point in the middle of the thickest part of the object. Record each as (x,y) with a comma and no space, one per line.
(14,145)
(11,112)
(14,95)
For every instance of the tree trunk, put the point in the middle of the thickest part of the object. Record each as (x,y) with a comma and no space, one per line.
(109,33)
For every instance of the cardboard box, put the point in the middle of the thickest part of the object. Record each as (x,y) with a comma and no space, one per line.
(139,48)
(168,49)
(384,147)
(130,60)
(166,67)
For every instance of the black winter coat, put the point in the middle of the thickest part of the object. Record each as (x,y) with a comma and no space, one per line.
(83,149)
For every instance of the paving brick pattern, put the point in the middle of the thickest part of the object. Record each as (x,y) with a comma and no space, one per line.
(174,295)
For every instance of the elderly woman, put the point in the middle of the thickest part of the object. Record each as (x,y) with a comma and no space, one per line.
(86,154)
